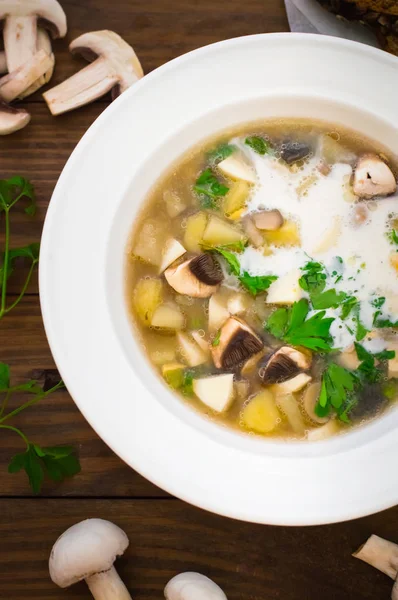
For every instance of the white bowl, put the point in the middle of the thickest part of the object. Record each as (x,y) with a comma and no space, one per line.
(82,277)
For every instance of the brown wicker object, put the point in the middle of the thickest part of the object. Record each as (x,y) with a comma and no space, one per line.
(380,15)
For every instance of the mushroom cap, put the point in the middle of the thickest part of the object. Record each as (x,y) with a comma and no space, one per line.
(237,343)
(50,12)
(12,119)
(111,46)
(87,548)
(185,280)
(193,586)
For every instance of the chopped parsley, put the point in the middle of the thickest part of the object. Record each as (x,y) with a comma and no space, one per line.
(209,189)
(292,326)
(348,304)
(368,369)
(258,144)
(313,281)
(337,390)
(220,153)
(393,237)
(216,341)
(253,284)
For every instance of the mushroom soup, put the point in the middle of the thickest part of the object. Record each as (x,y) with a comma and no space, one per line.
(262,279)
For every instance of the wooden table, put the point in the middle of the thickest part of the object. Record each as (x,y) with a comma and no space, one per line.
(167,536)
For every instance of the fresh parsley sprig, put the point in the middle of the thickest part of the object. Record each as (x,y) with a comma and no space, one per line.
(11,192)
(337,392)
(252,283)
(209,189)
(220,153)
(258,144)
(292,326)
(58,462)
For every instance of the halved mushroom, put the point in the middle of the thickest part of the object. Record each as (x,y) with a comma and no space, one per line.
(198,277)
(373,177)
(12,119)
(17,82)
(20,27)
(237,342)
(115,67)
(268,220)
(252,232)
(282,365)
(383,555)
(292,152)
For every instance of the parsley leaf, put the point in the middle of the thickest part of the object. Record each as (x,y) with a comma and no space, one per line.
(220,153)
(258,144)
(253,284)
(337,387)
(209,189)
(314,278)
(393,237)
(378,302)
(328,299)
(4,377)
(381,323)
(57,463)
(291,325)
(368,369)
(348,304)
(216,341)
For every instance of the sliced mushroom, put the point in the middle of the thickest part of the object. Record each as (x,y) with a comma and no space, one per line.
(252,232)
(17,82)
(291,385)
(373,177)
(198,277)
(237,343)
(12,119)
(270,220)
(3,63)
(310,400)
(282,365)
(43,43)
(20,27)
(115,67)
(292,152)
(382,555)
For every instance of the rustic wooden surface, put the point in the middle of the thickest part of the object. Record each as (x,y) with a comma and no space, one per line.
(167,536)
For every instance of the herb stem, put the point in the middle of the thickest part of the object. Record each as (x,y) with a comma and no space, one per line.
(5,402)
(5,261)
(24,288)
(18,431)
(31,402)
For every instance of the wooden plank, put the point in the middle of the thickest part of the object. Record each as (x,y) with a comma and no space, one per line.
(168,537)
(56,420)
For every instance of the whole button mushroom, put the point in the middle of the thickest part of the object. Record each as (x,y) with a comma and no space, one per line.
(115,67)
(87,551)
(193,586)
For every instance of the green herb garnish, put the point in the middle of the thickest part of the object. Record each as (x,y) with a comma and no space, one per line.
(292,326)
(368,369)
(337,387)
(209,189)
(220,153)
(216,341)
(258,144)
(57,462)
(11,192)
(313,281)
(393,237)
(253,284)
(348,304)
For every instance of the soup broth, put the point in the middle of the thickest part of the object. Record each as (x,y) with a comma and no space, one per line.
(262,279)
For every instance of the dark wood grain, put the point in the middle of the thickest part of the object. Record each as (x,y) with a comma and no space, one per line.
(250,562)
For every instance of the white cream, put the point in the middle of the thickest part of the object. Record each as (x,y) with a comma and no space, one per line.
(325,220)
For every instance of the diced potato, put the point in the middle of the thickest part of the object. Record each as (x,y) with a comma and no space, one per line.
(288,405)
(172,250)
(287,235)
(173,373)
(238,303)
(219,233)
(190,351)
(394,260)
(237,168)
(330,237)
(324,432)
(196,225)
(202,342)
(237,215)
(218,312)
(261,414)
(168,316)
(242,388)
(163,355)
(148,295)
(174,205)
(286,289)
(291,385)
(334,152)
(236,198)
(217,391)
(150,240)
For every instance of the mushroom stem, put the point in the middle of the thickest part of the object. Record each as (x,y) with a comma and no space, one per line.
(108,586)
(87,85)
(381,554)
(20,39)
(15,83)
(43,43)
